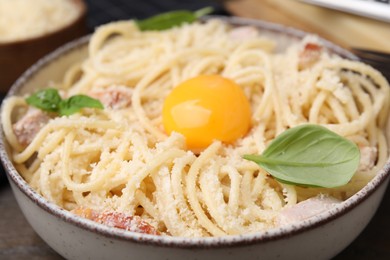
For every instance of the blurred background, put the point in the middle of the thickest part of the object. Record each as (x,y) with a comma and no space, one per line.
(103,11)
(350,23)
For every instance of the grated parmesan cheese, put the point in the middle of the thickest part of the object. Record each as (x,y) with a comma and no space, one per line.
(24,19)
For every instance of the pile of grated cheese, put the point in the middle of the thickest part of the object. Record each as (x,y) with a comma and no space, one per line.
(24,19)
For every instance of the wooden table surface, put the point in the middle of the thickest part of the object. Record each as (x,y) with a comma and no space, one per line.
(19,241)
(347,30)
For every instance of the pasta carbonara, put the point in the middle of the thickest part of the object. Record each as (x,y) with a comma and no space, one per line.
(120,159)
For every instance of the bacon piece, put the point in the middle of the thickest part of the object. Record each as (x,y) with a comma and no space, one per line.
(118,220)
(310,54)
(115,97)
(29,125)
(306,209)
(368,157)
(244,33)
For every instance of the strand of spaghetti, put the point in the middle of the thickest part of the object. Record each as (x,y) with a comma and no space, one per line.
(84,84)
(289,88)
(316,106)
(226,191)
(203,220)
(118,177)
(352,108)
(248,76)
(258,183)
(369,87)
(101,35)
(208,65)
(259,143)
(268,84)
(153,91)
(167,206)
(364,69)
(65,158)
(308,92)
(383,153)
(326,116)
(174,74)
(271,199)
(372,133)
(58,124)
(290,194)
(136,100)
(57,188)
(281,109)
(185,38)
(254,210)
(375,75)
(66,173)
(360,140)
(72,75)
(35,181)
(140,149)
(104,63)
(362,97)
(44,177)
(234,194)
(264,108)
(247,49)
(52,143)
(6,116)
(122,149)
(351,127)
(213,200)
(81,200)
(184,211)
(155,162)
(86,148)
(337,109)
(24,172)
(146,204)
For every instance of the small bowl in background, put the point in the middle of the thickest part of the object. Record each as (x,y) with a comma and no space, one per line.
(16,56)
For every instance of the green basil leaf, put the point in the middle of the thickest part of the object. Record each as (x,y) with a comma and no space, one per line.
(46,99)
(202,12)
(75,103)
(310,155)
(170,19)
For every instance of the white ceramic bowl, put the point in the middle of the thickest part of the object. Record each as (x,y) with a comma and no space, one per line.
(73,237)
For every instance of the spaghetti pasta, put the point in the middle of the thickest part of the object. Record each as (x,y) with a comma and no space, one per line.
(121,159)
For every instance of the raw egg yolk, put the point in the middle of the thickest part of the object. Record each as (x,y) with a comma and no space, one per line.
(207,108)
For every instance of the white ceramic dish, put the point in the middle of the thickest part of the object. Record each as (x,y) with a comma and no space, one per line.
(73,237)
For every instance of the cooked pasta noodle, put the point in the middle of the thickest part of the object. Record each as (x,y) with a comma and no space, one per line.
(122,159)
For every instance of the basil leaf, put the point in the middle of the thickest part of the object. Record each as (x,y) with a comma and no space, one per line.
(75,103)
(46,99)
(310,155)
(170,19)
(202,12)
(51,101)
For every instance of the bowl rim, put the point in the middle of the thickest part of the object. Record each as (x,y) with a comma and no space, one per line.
(82,8)
(183,242)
